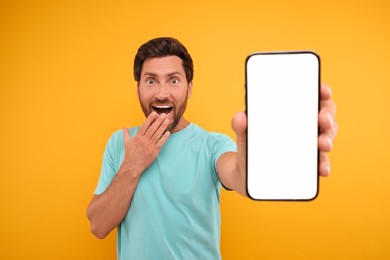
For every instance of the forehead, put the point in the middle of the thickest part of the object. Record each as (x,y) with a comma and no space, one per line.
(163,66)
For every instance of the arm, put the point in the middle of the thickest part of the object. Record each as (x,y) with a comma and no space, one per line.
(107,210)
(231,166)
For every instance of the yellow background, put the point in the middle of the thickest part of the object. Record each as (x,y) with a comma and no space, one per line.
(66,84)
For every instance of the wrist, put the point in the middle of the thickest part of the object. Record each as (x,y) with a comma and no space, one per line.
(130,170)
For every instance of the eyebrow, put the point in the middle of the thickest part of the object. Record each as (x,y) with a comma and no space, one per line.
(151,74)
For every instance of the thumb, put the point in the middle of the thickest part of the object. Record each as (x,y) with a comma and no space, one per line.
(126,135)
(239,125)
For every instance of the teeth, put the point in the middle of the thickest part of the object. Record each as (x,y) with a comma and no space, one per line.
(162,106)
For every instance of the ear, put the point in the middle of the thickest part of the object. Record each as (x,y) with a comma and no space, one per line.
(138,90)
(189,92)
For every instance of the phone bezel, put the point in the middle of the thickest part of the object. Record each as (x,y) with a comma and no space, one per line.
(248,120)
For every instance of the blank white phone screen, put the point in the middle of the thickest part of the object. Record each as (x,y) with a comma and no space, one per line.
(282,99)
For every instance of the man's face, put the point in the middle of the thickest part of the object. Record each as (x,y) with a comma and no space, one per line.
(163,88)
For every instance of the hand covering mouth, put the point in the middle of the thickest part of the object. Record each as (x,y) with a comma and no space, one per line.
(160,109)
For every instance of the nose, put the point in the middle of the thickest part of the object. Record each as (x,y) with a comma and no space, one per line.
(162,91)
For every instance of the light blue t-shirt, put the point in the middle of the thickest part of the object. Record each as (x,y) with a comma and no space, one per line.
(175,210)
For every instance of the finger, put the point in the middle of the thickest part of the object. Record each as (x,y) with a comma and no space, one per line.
(160,131)
(325,91)
(329,106)
(326,101)
(325,143)
(162,140)
(239,126)
(331,132)
(148,122)
(155,125)
(325,120)
(324,167)
(126,135)
(239,123)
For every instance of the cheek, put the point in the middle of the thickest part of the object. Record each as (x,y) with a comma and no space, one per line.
(182,96)
(144,95)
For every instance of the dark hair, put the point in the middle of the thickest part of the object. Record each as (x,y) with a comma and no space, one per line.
(162,47)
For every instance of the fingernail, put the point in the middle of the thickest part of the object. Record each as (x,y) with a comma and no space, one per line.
(330,91)
(330,119)
(329,143)
(327,169)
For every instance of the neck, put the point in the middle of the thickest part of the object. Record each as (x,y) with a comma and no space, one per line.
(183,123)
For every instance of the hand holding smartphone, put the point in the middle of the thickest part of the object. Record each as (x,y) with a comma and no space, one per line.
(282,104)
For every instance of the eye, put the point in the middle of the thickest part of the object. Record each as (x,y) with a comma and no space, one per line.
(174,81)
(150,81)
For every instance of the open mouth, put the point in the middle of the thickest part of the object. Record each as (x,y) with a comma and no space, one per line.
(163,109)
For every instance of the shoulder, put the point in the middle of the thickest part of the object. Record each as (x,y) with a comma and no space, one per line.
(116,139)
(118,134)
(214,138)
(201,131)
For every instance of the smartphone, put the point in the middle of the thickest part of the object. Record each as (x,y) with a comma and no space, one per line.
(282,105)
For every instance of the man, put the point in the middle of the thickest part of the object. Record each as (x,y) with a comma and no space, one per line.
(160,182)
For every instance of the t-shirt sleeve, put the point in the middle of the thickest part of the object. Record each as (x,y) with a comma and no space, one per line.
(223,145)
(108,169)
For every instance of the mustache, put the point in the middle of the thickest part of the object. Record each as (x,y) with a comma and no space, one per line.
(162,102)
